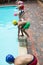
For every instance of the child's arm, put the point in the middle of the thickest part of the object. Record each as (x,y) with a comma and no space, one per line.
(15,14)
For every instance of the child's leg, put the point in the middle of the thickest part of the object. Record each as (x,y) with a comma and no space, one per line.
(18,31)
(22,32)
(25,32)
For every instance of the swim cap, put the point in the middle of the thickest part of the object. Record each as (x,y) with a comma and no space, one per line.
(14,22)
(10,58)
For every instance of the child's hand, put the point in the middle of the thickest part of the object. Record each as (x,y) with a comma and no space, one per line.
(15,14)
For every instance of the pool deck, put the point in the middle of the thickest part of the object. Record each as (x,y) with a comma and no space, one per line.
(22,50)
(35,44)
(35,14)
(35,41)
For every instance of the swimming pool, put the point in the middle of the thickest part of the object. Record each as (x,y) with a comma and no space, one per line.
(8,33)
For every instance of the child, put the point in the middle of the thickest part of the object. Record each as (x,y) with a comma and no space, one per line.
(21,9)
(22,26)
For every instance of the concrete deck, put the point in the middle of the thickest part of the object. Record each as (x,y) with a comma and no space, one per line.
(22,50)
(35,41)
(35,14)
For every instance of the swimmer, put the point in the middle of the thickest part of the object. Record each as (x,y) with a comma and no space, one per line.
(27,59)
(22,26)
(20,13)
(21,10)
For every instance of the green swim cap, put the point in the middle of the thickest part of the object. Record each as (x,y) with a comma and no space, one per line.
(14,22)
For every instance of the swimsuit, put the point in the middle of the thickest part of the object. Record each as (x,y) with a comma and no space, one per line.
(26,26)
(33,62)
(21,7)
(21,12)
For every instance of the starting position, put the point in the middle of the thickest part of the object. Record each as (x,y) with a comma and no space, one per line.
(22,26)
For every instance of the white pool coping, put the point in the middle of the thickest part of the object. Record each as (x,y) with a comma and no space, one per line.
(7,5)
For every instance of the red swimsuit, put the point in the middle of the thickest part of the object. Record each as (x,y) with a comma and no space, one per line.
(21,7)
(33,62)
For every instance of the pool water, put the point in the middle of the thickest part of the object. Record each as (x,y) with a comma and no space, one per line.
(8,33)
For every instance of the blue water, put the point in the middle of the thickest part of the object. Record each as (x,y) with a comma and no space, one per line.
(8,33)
